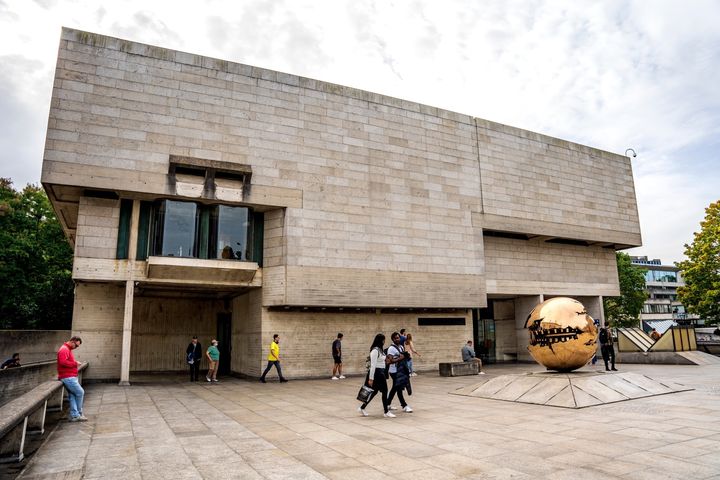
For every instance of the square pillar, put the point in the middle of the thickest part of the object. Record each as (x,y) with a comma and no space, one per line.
(523,307)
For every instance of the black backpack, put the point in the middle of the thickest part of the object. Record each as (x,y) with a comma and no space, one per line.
(603,335)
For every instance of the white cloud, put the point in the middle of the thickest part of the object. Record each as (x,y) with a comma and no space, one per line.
(612,74)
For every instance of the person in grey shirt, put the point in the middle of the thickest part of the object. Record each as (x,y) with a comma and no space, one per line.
(468,355)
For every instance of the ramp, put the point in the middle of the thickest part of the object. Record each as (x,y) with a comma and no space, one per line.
(700,358)
(570,390)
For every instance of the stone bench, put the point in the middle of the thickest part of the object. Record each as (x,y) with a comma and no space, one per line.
(456,369)
(26,415)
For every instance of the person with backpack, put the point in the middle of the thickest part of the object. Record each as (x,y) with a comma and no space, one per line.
(194,353)
(606,347)
(375,378)
(399,372)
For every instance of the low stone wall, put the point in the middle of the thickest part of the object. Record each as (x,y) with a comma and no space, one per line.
(32,345)
(17,381)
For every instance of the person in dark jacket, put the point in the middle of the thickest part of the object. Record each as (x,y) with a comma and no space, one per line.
(194,356)
(12,362)
(399,372)
(606,347)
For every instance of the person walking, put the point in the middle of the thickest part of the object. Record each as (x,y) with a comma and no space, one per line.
(375,378)
(274,359)
(194,355)
(213,356)
(67,368)
(337,358)
(606,347)
(398,371)
(410,348)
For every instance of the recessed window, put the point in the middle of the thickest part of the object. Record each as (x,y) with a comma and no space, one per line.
(193,230)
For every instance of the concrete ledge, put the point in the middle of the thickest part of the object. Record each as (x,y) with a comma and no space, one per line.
(26,414)
(458,369)
(668,358)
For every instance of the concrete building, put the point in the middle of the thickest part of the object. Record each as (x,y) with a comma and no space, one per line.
(213,198)
(662,308)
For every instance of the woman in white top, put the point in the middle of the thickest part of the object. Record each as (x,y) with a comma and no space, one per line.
(376,376)
(410,348)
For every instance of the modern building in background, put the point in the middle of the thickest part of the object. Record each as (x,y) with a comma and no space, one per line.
(662,308)
(210,198)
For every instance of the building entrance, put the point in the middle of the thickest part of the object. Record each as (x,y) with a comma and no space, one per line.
(484,333)
(224,329)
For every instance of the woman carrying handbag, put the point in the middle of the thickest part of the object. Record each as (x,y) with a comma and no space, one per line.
(376,376)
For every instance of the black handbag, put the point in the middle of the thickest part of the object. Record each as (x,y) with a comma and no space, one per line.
(364,393)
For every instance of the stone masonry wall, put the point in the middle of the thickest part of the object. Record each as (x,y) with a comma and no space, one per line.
(306,339)
(98,320)
(534,267)
(97,229)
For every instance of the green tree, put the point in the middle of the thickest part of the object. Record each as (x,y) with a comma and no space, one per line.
(35,262)
(624,311)
(701,271)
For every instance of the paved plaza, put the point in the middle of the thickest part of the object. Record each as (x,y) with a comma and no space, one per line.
(309,429)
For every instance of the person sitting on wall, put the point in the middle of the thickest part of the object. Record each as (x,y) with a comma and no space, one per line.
(11,362)
(655,335)
(468,356)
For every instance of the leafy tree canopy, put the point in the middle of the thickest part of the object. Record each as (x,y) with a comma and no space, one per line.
(624,311)
(35,262)
(701,271)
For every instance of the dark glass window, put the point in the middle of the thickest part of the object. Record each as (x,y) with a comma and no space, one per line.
(124,229)
(175,229)
(233,227)
(186,229)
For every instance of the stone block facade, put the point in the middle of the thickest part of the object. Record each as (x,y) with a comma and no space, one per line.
(376,211)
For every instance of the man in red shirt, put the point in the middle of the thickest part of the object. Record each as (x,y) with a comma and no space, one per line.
(67,369)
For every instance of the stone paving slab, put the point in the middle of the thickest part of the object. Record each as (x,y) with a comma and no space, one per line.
(312,430)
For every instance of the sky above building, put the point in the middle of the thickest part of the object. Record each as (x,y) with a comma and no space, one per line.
(611,74)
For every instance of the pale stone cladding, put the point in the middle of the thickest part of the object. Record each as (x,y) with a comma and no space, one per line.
(370,202)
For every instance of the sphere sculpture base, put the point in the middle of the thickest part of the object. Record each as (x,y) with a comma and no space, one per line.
(569,390)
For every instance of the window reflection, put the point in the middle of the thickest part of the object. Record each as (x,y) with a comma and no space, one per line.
(179,229)
(660,276)
(232,233)
(187,229)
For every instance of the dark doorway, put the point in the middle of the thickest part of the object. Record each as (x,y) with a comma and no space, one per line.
(484,332)
(224,330)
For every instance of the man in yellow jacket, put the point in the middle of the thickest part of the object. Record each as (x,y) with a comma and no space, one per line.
(274,359)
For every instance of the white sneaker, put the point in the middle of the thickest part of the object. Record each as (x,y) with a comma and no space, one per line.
(334,378)
(413,374)
(389,414)
(208,379)
(407,409)
(392,407)
(481,373)
(341,376)
(362,412)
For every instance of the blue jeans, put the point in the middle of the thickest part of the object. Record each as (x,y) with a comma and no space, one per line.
(410,366)
(76,394)
(269,366)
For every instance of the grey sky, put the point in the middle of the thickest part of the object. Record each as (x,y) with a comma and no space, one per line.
(611,74)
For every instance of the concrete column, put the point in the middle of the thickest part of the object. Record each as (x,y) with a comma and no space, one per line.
(593,306)
(523,307)
(129,295)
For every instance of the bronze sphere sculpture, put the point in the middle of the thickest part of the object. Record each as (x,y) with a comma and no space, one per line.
(563,336)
